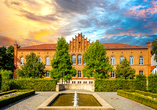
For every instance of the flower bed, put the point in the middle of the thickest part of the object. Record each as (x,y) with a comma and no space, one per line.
(146,99)
(11,97)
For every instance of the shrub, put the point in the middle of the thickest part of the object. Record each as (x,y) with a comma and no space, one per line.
(35,84)
(8,100)
(6,75)
(136,97)
(152,83)
(141,82)
(147,93)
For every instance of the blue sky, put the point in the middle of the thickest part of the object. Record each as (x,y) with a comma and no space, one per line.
(32,22)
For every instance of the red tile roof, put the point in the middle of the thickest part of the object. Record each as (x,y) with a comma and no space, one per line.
(106,45)
(42,46)
(152,67)
(121,46)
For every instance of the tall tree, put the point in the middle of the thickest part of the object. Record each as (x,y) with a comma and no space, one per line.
(61,64)
(124,70)
(32,68)
(96,62)
(154,49)
(3,57)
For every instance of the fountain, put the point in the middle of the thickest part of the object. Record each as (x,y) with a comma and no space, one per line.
(75,99)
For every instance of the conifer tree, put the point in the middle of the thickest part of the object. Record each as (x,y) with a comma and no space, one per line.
(96,62)
(32,68)
(61,64)
(154,49)
(124,70)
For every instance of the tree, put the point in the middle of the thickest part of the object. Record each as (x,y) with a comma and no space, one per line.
(32,68)
(96,62)
(3,57)
(61,63)
(154,49)
(124,70)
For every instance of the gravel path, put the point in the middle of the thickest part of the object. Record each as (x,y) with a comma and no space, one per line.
(118,102)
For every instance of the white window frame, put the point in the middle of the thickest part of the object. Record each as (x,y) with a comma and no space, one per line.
(39,59)
(121,58)
(74,59)
(79,74)
(131,60)
(47,60)
(79,59)
(112,60)
(22,60)
(47,74)
(112,74)
(140,72)
(141,60)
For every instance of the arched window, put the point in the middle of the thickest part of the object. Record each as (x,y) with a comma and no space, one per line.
(79,59)
(39,59)
(112,74)
(22,60)
(47,61)
(131,60)
(47,74)
(140,72)
(121,58)
(112,60)
(79,74)
(140,60)
(74,59)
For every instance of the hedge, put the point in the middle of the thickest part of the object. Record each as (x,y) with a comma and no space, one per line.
(33,84)
(8,100)
(107,85)
(152,83)
(141,82)
(7,92)
(147,93)
(141,99)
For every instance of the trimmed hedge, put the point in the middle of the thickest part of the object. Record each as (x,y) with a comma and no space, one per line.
(8,100)
(34,84)
(107,85)
(7,92)
(136,97)
(152,83)
(141,82)
(147,93)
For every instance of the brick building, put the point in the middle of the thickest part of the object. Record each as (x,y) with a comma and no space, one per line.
(139,57)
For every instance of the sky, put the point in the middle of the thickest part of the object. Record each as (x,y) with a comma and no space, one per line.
(34,22)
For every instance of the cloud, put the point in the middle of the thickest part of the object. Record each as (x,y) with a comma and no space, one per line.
(6,41)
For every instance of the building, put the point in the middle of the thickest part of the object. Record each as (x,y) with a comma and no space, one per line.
(154,69)
(153,62)
(139,57)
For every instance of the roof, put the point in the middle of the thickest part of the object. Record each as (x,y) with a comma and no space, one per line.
(152,67)
(106,45)
(39,47)
(122,46)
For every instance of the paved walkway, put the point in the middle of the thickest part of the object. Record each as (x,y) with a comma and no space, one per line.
(118,102)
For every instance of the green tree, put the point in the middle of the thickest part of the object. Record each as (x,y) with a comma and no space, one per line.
(3,57)
(154,49)
(32,68)
(61,64)
(124,70)
(96,62)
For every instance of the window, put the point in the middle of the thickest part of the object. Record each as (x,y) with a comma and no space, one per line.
(131,60)
(74,59)
(121,58)
(140,72)
(112,60)
(112,74)
(79,59)
(39,59)
(47,61)
(47,74)
(141,60)
(22,60)
(79,74)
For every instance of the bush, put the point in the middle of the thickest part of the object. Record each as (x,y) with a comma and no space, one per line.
(107,85)
(34,84)
(147,93)
(141,82)
(7,92)
(152,83)
(136,97)
(6,75)
(8,100)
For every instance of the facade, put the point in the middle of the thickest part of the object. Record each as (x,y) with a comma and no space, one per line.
(153,62)
(139,57)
